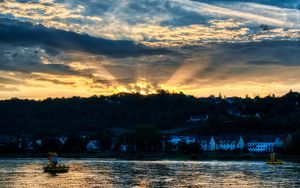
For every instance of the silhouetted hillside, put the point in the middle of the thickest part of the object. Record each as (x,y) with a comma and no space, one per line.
(164,110)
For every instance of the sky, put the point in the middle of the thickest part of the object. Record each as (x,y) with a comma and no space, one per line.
(65,48)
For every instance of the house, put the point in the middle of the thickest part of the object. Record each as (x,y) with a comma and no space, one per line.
(29,145)
(123,148)
(233,100)
(202,119)
(93,145)
(264,143)
(7,139)
(257,116)
(175,140)
(127,148)
(212,146)
(62,140)
(230,142)
(235,113)
(226,142)
(38,142)
(187,139)
(26,143)
(204,142)
(241,143)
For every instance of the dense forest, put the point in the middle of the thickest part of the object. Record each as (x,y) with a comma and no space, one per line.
(163,110)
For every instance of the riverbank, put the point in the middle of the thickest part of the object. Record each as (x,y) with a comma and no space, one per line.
(161,156)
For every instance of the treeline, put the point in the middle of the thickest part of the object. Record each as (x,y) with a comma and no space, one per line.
(164,110)
(143,138)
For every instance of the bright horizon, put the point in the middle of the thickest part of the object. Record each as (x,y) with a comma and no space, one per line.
(62,48)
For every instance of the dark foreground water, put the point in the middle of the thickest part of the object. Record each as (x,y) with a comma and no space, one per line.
(114,173)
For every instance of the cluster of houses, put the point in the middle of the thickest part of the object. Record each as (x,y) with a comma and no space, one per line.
(258,143)
(250,143)
(28,144)
(237,114)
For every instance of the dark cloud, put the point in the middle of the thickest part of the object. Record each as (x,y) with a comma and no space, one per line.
(28,1)
(283,53)
(4,80)
(279,3)
(183,17)
(232,61)
(26,34)
(219,61)
(55,81)
(110,81)
(28,60)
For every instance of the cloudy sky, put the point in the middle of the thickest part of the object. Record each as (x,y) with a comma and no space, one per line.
(63,48)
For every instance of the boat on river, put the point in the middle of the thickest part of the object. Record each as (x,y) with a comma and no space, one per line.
(56,169)
(273,160)
(52,167)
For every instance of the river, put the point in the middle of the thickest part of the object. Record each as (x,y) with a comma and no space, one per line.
(120,173)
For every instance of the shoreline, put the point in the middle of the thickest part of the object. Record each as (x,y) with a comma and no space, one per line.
(160,156)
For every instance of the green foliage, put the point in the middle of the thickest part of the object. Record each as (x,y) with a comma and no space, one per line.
(104,138)
(148,137)
(51,145)
(75,144)
(293,146)
(143,138)
(191,148)
(60,116)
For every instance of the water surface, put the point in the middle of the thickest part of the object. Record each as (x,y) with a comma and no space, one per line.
(118,173)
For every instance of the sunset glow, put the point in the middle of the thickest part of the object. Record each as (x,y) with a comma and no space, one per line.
(54,48)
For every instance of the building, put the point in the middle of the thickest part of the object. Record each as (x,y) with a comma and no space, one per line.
(261,143)
(176,140)
(187,139)
(38,142)
(128,148)
(62,140)
(230,143)
(212,146)
(6,141)
(204,142)
(264,143)
(216,143)
(93,145)
(203,118)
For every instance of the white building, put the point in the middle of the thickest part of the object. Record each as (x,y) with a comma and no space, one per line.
(202,119)
(215,143)
(241,143)
(204,142)
(212,146)
(93,145)
(264,143)
(38,142)
(230,143)
(62,140)
(187,139)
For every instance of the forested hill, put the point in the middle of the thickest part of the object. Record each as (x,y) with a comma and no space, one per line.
(164,110)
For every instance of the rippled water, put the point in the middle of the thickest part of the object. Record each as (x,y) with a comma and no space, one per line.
(118,173)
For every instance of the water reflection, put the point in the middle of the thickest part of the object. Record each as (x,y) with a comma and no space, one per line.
(113,173)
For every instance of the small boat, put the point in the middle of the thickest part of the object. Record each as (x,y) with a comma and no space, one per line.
(52,167)
(56,169)
(277,162)
(273,160)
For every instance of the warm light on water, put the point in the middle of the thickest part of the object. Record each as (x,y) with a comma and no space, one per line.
(115,173)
